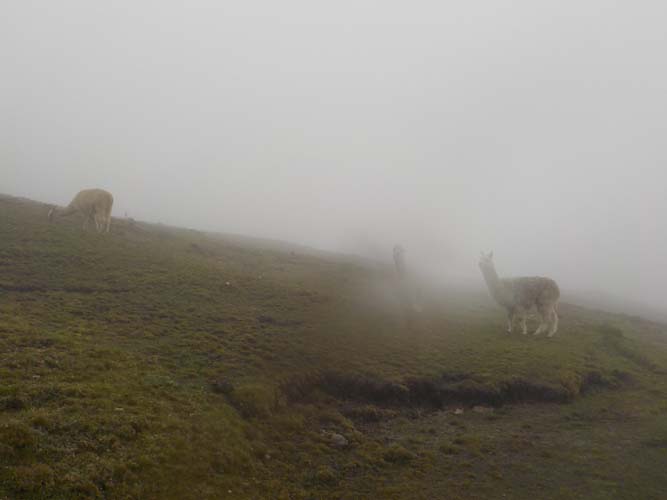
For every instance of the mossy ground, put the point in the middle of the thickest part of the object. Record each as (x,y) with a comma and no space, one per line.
(156,362)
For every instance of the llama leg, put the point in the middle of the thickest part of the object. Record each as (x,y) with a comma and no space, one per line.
(108,222)
(86,219)
(545,314)
(510,320)
(554,323)
(101,223)
(524,328)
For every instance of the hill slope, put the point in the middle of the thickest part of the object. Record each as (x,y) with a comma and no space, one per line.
(157,362)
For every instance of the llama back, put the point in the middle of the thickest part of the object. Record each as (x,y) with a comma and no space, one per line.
(533,290)
(97,200)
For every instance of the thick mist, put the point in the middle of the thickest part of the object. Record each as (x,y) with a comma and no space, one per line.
(532,129)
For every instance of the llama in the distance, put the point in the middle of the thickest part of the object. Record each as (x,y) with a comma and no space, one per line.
(94,204)
(409,289)
(519,295)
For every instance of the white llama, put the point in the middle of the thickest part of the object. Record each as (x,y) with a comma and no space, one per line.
(519,295)
(94,204)
(409,289)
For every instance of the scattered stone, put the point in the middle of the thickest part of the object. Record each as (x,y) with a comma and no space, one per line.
(119,409)
(458,411)
(227,283)
(338,440)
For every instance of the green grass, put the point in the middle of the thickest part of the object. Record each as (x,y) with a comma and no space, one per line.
(158,362)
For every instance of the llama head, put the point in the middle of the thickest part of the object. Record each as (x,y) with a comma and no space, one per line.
(486,261)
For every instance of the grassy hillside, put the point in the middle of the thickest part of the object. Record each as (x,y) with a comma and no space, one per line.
(156,362)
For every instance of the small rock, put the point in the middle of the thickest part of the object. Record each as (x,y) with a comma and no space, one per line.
(338,440)
(458,411)
(227,283)
(119,409)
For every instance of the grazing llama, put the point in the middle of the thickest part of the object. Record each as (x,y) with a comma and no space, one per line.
(519,295)
(408,287)
(94,204)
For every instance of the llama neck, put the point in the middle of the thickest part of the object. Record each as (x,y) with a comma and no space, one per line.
(495,286)
(64,212)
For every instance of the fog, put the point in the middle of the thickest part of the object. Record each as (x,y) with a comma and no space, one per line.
(534,129)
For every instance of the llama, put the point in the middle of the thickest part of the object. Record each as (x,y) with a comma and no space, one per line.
(399,262)
(519,295)
(94,204)
(409,289)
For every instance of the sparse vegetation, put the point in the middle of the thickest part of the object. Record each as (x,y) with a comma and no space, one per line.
(156,362)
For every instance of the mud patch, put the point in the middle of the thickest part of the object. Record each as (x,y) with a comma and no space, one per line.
(614,340)
(656,443)
(7,287)
(436,393)
(265,319)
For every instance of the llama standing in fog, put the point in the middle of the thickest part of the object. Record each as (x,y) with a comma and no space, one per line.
(399,262)
(93,204)
(408,287)
(519,295)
